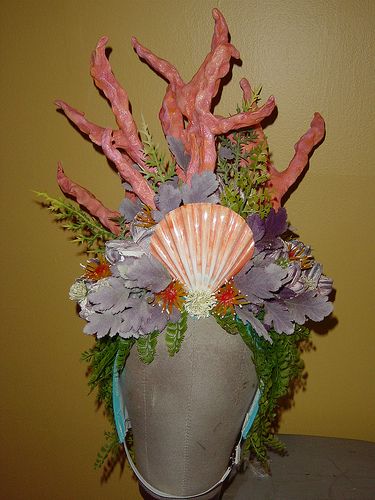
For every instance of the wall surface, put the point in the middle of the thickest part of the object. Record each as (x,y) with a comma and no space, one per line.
(313,56)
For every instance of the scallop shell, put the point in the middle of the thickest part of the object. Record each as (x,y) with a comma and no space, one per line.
(202,245)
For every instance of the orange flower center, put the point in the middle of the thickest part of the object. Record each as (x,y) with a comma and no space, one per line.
(170,297)
(227,297)
(97,269)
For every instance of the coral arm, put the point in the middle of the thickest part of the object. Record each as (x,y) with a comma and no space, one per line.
(195,100)
(88,201)
(244,119)
(105,80)
(280,182)
(171,114)
(95,132)
(125,168)
(207,153)
(171,118)
(172,123)
(186,109)
(221,34)
(202,131)
(195,149)
(164,68)
(203,87)
(246,89)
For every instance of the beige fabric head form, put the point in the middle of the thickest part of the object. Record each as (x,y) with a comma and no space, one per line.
(187,411)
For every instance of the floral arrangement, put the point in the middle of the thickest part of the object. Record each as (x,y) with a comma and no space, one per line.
(128,297)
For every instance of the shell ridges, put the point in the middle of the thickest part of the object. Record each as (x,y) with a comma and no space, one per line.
(202,245)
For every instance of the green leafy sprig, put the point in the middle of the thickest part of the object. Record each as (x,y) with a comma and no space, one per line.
(110,451)
(175,334)
(252,102)
(87,230)
(146,346)
(279,368)
(162,170)
(101,358)
(244,174)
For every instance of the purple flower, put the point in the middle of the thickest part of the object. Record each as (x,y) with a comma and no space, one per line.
(267,231)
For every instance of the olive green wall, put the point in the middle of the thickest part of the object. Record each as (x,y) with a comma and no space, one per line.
(313,56)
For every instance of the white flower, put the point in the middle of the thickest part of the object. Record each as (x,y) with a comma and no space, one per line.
(84,304)
(78,291)
(198,303)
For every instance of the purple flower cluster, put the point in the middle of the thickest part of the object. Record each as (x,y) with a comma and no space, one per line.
(282,282)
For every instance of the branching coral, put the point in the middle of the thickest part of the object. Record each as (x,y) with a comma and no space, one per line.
(187,122)
(186,110)
(88,200)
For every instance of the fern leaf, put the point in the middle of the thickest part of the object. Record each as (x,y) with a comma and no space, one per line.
(123,352)
(175,334)
(146,347)
(111,447)
(87,229)
(160,170)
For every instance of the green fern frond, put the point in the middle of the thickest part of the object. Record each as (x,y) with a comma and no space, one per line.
(87,230)
(100,358)
(244,174)
(278,366)
(255,98)
(161,170)
(123,352)
(146,347)
(110,448)
(175,334)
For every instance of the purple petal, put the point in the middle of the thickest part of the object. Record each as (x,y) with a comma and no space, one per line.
(257,226)
(278,315)
(129,208)
(177,148)
(148,273)
(309,305)
(246,316)
(202,189)
(168,198)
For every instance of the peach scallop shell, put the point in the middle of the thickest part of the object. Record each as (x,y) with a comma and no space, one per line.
(202,245)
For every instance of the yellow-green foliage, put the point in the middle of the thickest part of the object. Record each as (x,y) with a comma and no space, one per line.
(87,230)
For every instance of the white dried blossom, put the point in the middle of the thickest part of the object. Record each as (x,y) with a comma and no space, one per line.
(198,303)
(78,291)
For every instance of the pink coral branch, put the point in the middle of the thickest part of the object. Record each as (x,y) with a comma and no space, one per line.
(124,166)
(246,89)
(245,119)
(203,87)
(88,201)
(105,80)
(95,132)
(161,66)
(122,146)
(170,116)
(280,182)
(221,34)
(193,101)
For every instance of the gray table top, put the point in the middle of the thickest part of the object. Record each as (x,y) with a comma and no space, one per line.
(316,468)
